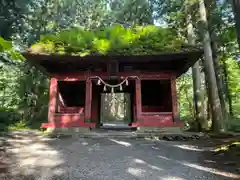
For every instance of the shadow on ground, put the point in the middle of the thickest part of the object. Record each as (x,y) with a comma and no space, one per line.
(33,156)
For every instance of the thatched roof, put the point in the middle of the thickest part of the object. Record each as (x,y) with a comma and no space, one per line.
(77,49)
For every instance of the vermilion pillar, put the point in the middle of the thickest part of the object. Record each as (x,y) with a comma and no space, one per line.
(52,100)
(88,100)
(175,110)
(138,99)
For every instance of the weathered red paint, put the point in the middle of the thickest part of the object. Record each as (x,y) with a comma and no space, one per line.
(61,108)
(52,99)
(134,108)
(174,99)
(81,76)
(95,109)
(88,100)
(79,110)
(156,119)
(152,109)
(157,124)
(68,121)
(81,116)
(138,99)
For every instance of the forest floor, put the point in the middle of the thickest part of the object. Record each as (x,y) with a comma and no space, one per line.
(32,155)
(225,151)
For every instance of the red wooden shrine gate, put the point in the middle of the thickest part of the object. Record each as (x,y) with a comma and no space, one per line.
(159,72)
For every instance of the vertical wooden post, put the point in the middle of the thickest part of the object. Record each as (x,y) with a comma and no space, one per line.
(175,111)
(138,99)
(52,100)
(88,100)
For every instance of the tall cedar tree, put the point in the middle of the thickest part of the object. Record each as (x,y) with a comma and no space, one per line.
(198,98)
(209,70)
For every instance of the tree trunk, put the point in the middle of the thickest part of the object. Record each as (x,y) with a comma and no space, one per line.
(219,78)
(197,91)
(236,10)
(198,96)
(209,71)
(207,104)
(211,7)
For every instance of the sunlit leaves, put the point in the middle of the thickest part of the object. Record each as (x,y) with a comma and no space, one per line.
(101,45)
(234,78)
(114,40)
(7,51)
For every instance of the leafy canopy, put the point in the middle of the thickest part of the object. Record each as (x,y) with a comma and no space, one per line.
(114,40)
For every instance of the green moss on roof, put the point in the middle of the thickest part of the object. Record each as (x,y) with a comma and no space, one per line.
(114,40)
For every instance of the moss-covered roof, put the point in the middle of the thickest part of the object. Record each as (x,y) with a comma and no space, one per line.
(115,40)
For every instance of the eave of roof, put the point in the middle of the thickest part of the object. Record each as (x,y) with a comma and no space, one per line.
(188,59)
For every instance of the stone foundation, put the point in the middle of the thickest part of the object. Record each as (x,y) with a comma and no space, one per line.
(67,131)
(87,132)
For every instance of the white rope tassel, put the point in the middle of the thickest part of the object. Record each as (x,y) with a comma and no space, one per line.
(121,88)
(100,80)
(105,88)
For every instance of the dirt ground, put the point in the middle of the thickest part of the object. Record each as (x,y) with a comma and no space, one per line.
(35,156)
(225,152)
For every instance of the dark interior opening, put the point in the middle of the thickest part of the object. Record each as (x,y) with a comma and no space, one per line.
(156,96)
(96,97)
(72,93)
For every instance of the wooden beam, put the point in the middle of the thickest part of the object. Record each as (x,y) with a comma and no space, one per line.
(188,64)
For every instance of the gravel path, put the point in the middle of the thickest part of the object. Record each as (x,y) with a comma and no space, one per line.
(36,157)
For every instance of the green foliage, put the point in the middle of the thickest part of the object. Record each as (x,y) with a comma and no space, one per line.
(5,45)
(23,96)
(12,18)
(234,125)
(23,90)
(6,48)
(233,82)
(127,12)
(32,89)
(18,126)
(114,40)
(185,94)
(8,117)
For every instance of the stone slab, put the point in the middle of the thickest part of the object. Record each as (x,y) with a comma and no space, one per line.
(67,131)
(159,130)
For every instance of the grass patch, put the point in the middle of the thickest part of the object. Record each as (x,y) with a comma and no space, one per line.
(18,126)
(229,147)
